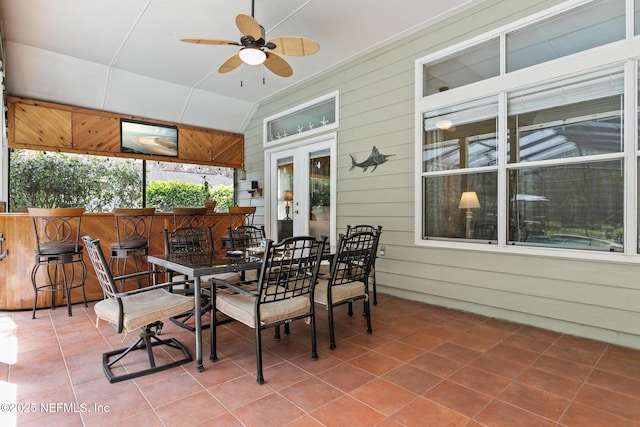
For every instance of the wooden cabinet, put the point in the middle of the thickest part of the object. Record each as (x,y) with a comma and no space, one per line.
(228,149)
(92,133)
(194,145)
(40,125)
(202,146)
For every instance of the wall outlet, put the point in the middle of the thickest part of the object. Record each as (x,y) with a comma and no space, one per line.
(381,250)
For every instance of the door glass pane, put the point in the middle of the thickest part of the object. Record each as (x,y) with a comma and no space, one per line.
(636,15)
(319,193)
(285,198)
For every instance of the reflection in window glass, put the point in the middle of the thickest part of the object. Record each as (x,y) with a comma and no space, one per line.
(574,119)
(586,27)
(471,65)
(577,206)
(319,193)
(636,15)
(460,137)
(447,214)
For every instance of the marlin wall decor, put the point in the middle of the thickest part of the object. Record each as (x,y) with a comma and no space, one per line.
(374,159)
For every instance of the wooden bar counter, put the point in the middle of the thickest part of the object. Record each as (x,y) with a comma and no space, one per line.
(16,290)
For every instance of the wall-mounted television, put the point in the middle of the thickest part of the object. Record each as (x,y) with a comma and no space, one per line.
(148,138)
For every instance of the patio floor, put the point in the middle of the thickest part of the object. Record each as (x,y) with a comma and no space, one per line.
(423,366)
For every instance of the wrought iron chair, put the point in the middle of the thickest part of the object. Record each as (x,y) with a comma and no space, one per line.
(349,277)
(378,229)
(194,241)
(58,250)
(246,237)
(140,308)
(284,292)
(133,230)
(188,217)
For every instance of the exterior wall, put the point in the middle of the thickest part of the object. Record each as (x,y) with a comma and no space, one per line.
(581,297)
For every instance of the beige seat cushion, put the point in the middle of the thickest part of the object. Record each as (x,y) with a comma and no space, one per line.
(242,308)
(230,277)
(338,293)
(144,308)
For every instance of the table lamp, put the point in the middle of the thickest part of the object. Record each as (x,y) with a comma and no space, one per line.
(469,200)
(288,196)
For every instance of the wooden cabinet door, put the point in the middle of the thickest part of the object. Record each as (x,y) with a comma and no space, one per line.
(194,145)
(96,133)
(228,150)
(42,126)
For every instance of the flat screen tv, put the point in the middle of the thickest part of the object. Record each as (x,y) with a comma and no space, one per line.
(148,138)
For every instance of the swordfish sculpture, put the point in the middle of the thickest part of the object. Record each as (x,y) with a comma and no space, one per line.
(375,159)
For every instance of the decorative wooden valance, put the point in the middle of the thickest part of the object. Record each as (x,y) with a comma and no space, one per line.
(40,125)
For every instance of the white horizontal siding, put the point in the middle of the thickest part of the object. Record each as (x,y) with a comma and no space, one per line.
(600,300)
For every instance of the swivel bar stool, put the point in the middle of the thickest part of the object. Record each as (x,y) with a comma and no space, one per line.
(58,251)
(133,231)
(188,217)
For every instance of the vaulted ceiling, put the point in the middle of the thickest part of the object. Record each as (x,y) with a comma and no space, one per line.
(125,56)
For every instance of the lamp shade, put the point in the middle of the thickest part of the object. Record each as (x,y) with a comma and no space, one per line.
(469,200)
(252,56)
(287,195)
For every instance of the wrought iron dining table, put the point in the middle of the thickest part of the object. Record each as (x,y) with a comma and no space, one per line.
(197,266)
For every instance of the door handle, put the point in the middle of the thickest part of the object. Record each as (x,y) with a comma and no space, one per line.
(2,254)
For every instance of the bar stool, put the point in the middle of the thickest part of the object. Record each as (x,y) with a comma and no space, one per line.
(241,215)
(57,233)
(188,217)
(133,231)
(238,216)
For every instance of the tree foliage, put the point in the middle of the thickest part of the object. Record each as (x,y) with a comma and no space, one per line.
(60,180)
(98,184)
(165,195)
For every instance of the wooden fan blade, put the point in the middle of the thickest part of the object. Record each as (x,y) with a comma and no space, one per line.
(277,65)
(248,26)
(230,64)
(295,46)
(211,41)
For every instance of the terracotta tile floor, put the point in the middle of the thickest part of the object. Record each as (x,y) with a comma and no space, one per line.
(422,366)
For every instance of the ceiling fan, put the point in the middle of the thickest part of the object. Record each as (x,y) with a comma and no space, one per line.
(255,50)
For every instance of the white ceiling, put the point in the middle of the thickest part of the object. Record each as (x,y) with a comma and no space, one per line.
(125,56)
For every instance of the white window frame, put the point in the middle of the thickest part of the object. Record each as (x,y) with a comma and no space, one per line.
(625,52)
(268,143)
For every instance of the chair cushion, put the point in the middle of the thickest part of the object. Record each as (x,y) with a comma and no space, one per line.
(242,308)
(338,293)
(133,243)
(230,277)
(55,248)
(144,308)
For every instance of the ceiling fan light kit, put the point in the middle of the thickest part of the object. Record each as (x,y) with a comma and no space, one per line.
(253,47)
(252,55)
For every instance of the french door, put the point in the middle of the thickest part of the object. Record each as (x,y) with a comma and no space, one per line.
(301,196)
